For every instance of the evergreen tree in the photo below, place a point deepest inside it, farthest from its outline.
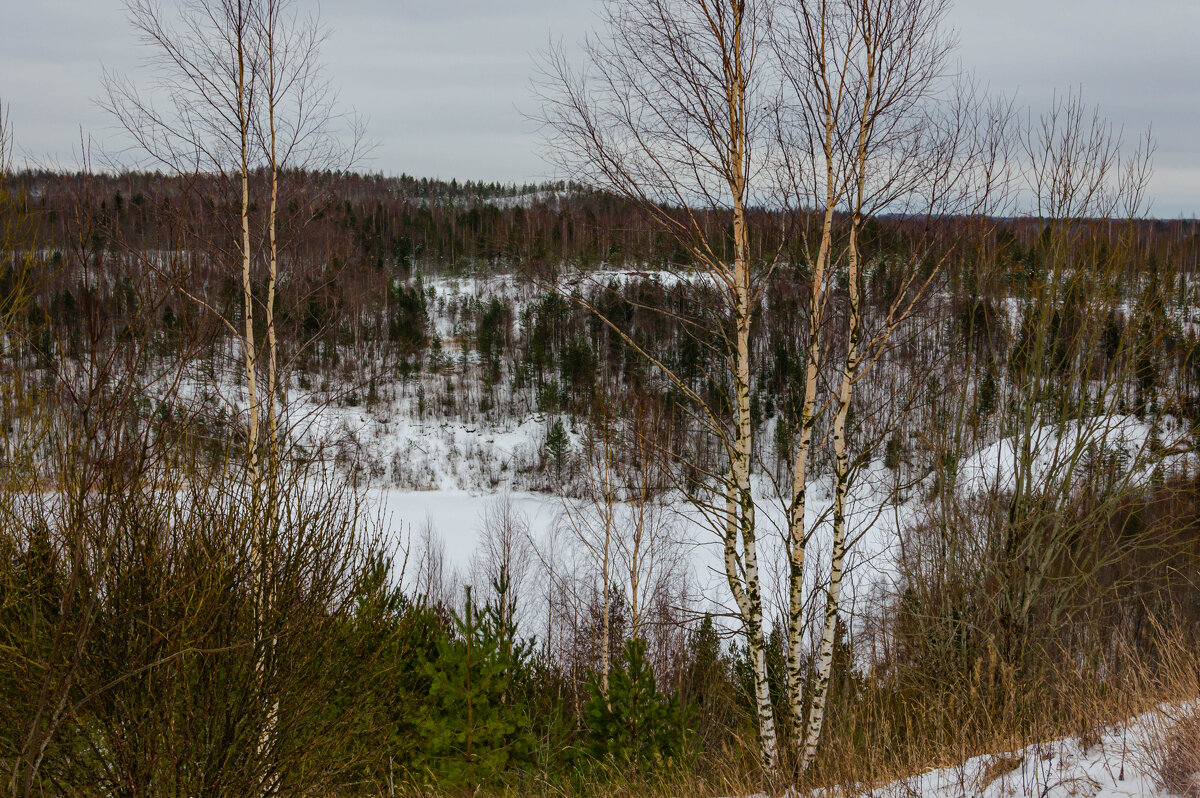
(387, 627)
(637, 724)
(557, 445)
(475, 731)
(709, 691)
(408, 325)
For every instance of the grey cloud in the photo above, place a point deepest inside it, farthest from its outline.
(444, 82)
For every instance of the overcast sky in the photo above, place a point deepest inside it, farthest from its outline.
(443, 83)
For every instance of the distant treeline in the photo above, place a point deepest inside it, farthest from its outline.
(398, 223)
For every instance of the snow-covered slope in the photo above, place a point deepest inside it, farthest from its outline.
(1119, 762)
(1059, 451)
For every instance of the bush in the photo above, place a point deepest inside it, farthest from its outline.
(187, 661)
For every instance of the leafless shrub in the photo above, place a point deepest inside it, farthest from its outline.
(433, 577)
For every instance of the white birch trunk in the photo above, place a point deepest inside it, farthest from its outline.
(797, 531)
(271, 520)
(249, 349)
(742, 504)
(841, 453)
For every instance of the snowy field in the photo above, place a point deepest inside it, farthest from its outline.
(456, 520)
(455, 454)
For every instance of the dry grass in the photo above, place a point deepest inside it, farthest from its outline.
(885, 735)
(997, 767)
(1175, 755)
(1172, 747)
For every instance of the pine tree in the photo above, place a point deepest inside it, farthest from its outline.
(637, 724)
(709, 691)
(557, 445)
(474, 731)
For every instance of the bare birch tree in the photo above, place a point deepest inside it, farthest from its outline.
(593, 523)
(434, 578)
(1030, 547)
(1083, 183)
(668, 113)
(647, 544)
(199, 117)
(239, 90)
(504, 559)
(869, 119)
(300, 130)
(619, 526)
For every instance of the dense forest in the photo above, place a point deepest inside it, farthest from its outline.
(875, 457)
(536, 337)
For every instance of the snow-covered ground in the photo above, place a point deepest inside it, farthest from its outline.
(1057, 451)
(1118, 762)
(457, 519)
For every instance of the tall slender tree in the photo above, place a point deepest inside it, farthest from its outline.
(668, 113)
(869, 118)
(239, 92)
